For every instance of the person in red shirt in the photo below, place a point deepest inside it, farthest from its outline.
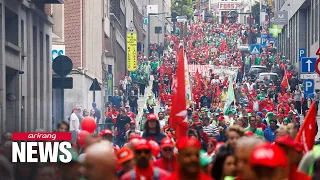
(294, 154)
(130, 113)
(259, 122)
(284, 106)
(189, 161)
(162, 98)
(112, 114)
(124, 159)
(269, 106)
(144, 169)
(168, 160)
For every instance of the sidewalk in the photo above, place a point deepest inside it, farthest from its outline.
(142, 102)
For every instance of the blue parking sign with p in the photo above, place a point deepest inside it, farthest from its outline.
(264, 40)
(308, 86)
(302, 53)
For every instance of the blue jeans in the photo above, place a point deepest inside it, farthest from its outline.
(134, 109)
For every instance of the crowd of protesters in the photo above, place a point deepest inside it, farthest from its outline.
(253, 138)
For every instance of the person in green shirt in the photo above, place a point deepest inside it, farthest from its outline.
(262, 95)
(143, 119)
(257, 60)
(288, 119)
(142, 80)
(253, 127)
(150, 103)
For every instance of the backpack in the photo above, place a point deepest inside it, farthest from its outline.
(155, 176)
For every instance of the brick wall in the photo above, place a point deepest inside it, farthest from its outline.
(47, 9)
(73, 30)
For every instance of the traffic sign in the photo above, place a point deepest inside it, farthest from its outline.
(309, 76)
(280, 17)
(302, 53)
(317, 66)
(308, 64)
(95, 85)
(263, 42)
(62, 83)
(308, 88)
(255, 49)
(62, 65)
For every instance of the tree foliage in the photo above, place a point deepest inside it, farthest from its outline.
(182, 7)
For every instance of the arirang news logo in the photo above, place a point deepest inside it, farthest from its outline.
(41, 147)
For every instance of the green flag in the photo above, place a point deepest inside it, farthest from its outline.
(230, 96)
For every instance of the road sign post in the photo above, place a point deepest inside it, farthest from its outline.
(308, 65)
(95, 87)
(62, 66)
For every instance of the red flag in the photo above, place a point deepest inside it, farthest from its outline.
(198, 79)
(223, 45)
(285, 83)
(178, 114)
(307, 132)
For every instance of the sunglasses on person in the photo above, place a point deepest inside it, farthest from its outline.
(210, 145)
(145, 151)
(167, 149)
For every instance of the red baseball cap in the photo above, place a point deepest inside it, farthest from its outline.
(152, 117)
(196, 117)
(134, 136)
(249, 133)
(105, 132)
(268, 155)
(289, 142)
(124, 154)
(142, 144)
(166, 142)
(220, 118)
(188, 142)
(286, 141)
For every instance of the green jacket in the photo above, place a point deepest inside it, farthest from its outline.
(142, 122)
(287, 120)
(257, 132)
(316, 155)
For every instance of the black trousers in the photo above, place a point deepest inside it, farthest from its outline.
(142, 88)
(298, 106)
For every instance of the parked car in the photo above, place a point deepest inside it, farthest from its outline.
(255, 70)
(271, 78)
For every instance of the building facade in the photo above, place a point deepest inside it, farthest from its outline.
(220, 9)
(25, 65)
(302, 30)
(78, 32)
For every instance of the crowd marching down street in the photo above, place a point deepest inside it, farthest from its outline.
(210, 111)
